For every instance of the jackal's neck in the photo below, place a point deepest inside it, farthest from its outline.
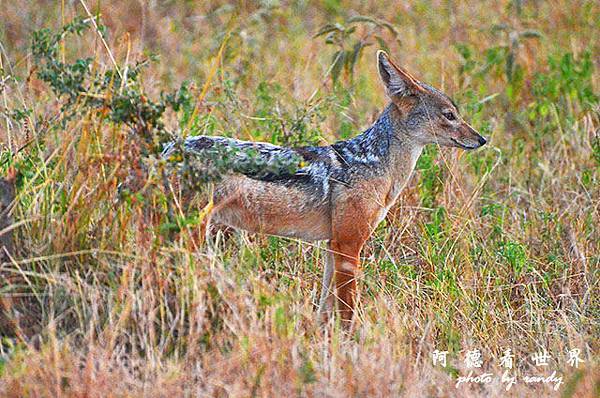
(372, 147)
(385, 145)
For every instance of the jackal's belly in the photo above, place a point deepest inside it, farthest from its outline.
(271, 208)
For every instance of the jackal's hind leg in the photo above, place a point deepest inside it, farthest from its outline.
(211, 241)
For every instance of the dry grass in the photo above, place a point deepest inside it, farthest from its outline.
(492, 250)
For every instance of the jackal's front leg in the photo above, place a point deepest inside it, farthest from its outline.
(352, 224)
(347, 267)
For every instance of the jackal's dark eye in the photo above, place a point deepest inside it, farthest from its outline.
(449, 115)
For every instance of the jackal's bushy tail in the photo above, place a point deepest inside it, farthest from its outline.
(258, 160)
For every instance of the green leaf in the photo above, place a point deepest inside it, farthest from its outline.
(354, 55)
(337, 63)
(530, 34)
(327, 29)
(349, 31)
(330, 39)
(391, 28)
(363, 18)
(501, 27)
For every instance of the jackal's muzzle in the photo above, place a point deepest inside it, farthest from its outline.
(469, 138)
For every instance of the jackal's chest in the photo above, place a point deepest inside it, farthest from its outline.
(387, 189)
(389, 199)
(398, 181)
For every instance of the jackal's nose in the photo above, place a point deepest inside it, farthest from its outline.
(482, 141)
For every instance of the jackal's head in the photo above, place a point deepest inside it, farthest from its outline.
(427, 115)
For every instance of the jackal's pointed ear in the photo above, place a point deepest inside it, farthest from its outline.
(397, 81)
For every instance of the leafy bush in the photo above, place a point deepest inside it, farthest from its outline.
(350, 44)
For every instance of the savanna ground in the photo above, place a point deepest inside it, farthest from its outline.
(108, 291)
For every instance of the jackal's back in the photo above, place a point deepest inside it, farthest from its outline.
(318, 166)
(293, 204)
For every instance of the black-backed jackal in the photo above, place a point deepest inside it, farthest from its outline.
(343, 190)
